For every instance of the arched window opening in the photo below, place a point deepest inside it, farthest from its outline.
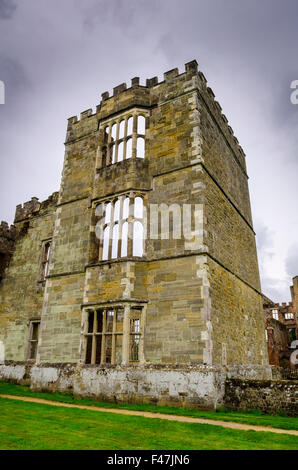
(114, 131)
(140, 147)
(106, 240)
(121, 137)
(106, 134)
(126, 208)
(137, 239)
(124, 240)
(115, 241)
(138, 207)
(112, 153)
(108, 208)
(121, 129)
(129, 148)
(124, 219)
(141, 125)
(120, 152)
(129, 125)
(116, 210)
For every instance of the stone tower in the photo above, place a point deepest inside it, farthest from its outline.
(122, 285)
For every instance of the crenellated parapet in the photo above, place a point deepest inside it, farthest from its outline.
(7, 241)
(151, 94)
(7, 237)
(34, 207)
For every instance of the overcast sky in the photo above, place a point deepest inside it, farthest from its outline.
(58, 56)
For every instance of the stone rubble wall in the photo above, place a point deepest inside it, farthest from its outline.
(199, 387)
(269, 396)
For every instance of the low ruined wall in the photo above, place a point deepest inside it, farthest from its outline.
(200, 387)
(270, 396)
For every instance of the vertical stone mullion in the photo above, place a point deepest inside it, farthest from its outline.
(120, 226)
(99, 157)
(113, 358)
(109, 154)
(83, 340)
(130, 221)
(126, 335)
(93, 353)
(142, 336)
(116, 141)
(100, 241)
(103, 337)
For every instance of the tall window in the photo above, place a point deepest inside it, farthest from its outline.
(33, 339)
(123, 228)
(45, 260)
(289, 316)
(124, 138)
(275, 314)
(104, 336)
(135, 335)
(104, 332)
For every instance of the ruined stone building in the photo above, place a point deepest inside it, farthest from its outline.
(92, 302)
(281, 323)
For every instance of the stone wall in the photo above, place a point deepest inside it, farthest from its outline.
(7, 241)
(198, 387)
(269, 396)
(21, 291)
(201, 295)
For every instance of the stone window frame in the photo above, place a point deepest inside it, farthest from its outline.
(32, 340)
(130, 336)
(130, 220)
(44, 260)
(275, 314)
(289, 316)
(108, 151)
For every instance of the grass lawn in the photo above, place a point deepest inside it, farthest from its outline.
(26, 425)
(252, 417)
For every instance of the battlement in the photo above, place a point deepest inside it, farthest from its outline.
(7, 242)
(146, 95)
(34, 207)
(7, 232)
(283, 305)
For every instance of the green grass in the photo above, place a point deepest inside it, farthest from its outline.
(251, 417)
(25, 425)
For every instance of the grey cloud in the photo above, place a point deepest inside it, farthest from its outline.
(7, 9)
(276, 290)
(13, 73)
(292, 261)
(264, 239)
(56, 58)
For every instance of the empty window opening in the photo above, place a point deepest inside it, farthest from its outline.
(140, 147)
(129, 125)
(129, 148)
(135, 335)
(123, 232)
(45, 260)
(103, 336)
(33, 339)
(104, 333)
(141, 125)
(275, 314)
(124, 139)
(137, 239)
(121, 129)
(289, 316)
